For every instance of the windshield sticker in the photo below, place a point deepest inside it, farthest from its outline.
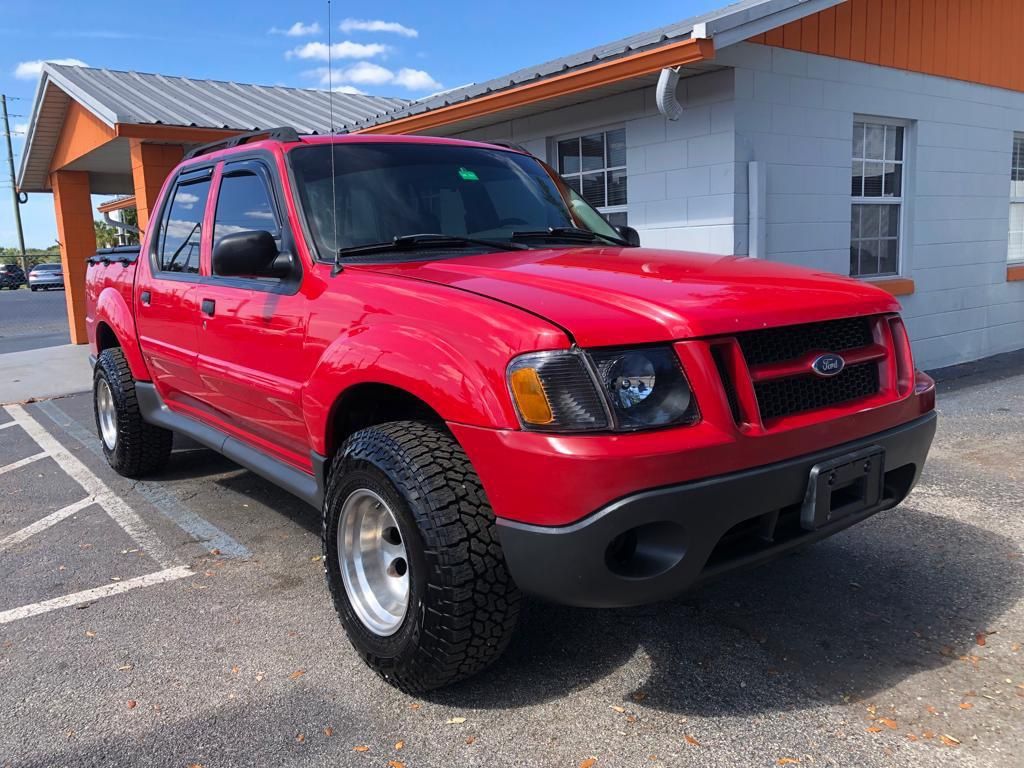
(467, 175)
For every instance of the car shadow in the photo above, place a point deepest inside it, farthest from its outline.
(899, 594)
(904, 592)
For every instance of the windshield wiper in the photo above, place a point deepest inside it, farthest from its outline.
(427, 240)
(567, 233)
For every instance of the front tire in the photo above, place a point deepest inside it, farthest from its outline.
(404, 510)
(131, 445)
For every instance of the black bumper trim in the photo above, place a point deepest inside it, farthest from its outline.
(677, 530)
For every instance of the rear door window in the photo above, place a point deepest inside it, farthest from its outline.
(180, 233)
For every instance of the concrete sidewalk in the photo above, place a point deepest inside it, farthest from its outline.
(39, 374)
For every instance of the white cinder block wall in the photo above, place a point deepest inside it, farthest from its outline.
(795, 113)
(683, 188)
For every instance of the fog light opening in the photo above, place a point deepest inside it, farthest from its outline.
(646, 551)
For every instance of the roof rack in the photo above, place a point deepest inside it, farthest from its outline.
(284, 133)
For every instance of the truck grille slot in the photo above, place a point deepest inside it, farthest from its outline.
(779, 364)
(783, 397)
(776, 345)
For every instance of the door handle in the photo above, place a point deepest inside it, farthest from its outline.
(145, 296)
(209, 307)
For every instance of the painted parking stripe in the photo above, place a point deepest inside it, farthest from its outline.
(22, 462)
(165, 502)
(7, 424)
(118, 510)
(89, 595)
(41, 525)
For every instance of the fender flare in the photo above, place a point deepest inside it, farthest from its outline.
(456, 388)
(113, 311)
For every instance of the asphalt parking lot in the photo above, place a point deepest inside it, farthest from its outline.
(32, 320)
(184, 621)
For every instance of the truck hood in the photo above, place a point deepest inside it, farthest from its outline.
(614, 296)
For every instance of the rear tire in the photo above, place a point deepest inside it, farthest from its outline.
(33, 289)
(460, 605)
(132, 446)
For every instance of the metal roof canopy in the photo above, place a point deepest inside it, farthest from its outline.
(133, 98)
(729, 25)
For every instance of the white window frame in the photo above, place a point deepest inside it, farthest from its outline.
(1016, 195)
(578, 136)
(899, 202)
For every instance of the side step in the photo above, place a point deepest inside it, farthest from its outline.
(309, 488)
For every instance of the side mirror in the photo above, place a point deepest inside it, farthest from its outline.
(247, 254)
(629, 234)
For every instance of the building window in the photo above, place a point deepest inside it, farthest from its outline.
(595, 166)
(877, 190)
(1016, 251)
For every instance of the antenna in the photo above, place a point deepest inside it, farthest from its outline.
(334, 179)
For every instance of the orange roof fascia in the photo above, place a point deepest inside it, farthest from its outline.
(81, 133)
(119, 204)
(624, 68)
(173, 134)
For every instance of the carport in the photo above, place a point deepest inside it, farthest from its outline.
(107, 132)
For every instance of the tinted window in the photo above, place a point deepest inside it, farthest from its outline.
(244, 204)
(181, 232)
(381, 190)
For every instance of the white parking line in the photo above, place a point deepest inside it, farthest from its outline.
(41, 525)
(22, 462)
(118, 510)
(88, 595)
(7, 424)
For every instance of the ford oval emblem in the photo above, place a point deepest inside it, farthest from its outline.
(828, 365)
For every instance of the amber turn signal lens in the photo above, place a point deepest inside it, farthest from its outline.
(530, 398)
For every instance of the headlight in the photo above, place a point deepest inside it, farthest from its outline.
(621, 390)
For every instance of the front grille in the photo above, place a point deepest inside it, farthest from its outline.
(776, 345)
(782, 397)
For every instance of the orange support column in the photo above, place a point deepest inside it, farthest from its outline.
(151, 164)
(77, 242)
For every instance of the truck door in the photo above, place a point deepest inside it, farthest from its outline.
(251, 343)
(166, 304)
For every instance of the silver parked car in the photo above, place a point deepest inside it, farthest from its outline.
(46, 276)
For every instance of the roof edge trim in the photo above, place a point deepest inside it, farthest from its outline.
(744, 24)
(677, 54)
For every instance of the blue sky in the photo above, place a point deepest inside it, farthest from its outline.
(406, 49)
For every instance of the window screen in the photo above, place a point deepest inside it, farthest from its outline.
(1016, 249)
(595, 166)
(181, 232)
(877, 193)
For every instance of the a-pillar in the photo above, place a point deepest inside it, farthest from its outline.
(151, 165)
(77, 242)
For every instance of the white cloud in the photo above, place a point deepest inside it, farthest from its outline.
(21, 128)
(30, 70)
(376, 25)
(366, 73)
(343, 50)
(298, 29)
(416, 80)
(369, 74)
(349, 89)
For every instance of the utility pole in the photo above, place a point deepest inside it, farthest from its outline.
(14, 187)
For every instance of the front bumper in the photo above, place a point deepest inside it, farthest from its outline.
(656, 544)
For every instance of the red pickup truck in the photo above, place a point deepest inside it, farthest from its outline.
(488, 389)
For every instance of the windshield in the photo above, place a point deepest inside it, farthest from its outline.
(387, 190)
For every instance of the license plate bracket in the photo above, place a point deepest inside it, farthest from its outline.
(843, 486)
